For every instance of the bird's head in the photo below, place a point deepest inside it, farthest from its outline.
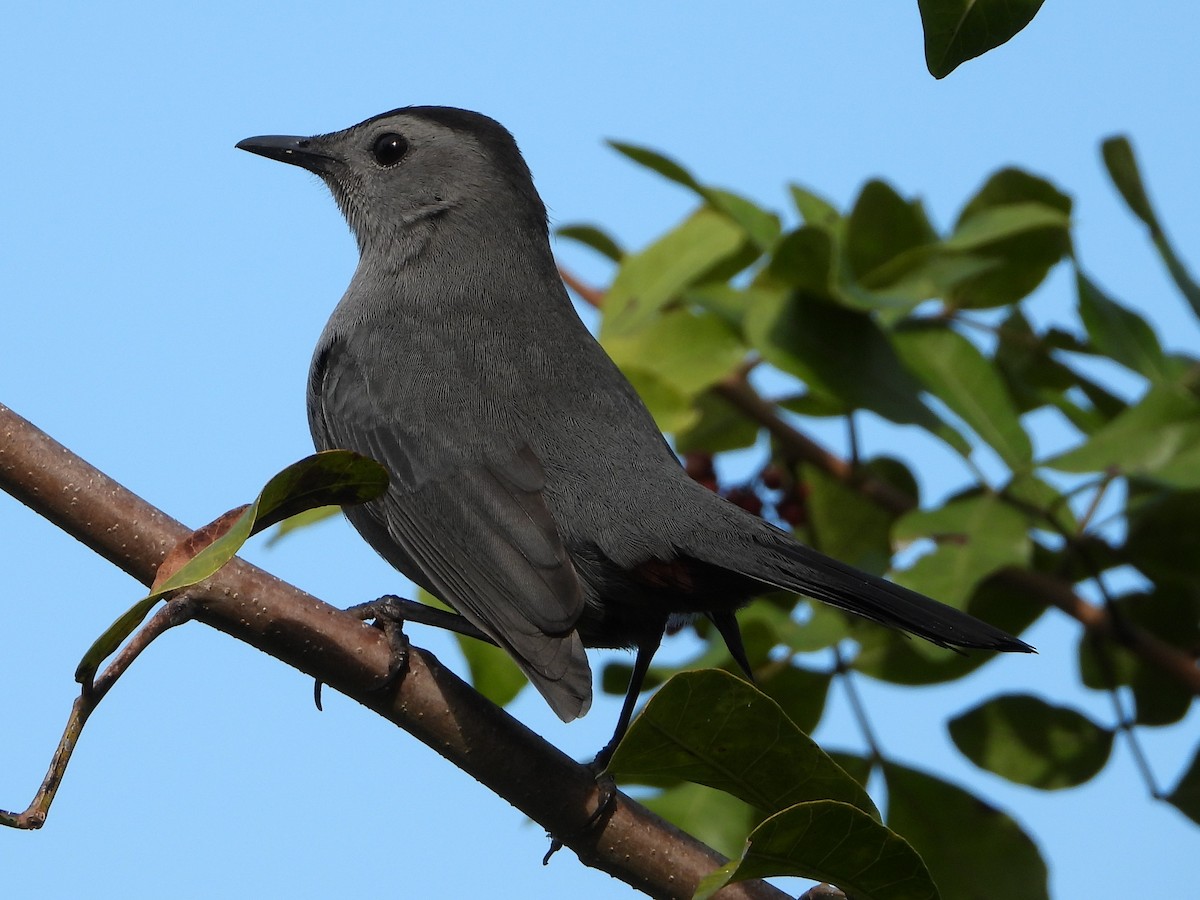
(406, 170)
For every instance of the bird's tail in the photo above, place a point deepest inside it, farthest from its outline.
(780, 561)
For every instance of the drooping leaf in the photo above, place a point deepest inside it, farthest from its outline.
(651, 278)
(830, 842)
(1032, 742)
(1123, 169)
(712, 728)
(973, 850)
(1120, 333)
(331, 477)
(958, 30)
(958, 374)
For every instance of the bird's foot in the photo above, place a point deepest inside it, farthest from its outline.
(387, 614)
(606, 789)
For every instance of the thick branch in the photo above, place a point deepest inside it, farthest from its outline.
(429, 702)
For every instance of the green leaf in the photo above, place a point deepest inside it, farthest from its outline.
(1018, 221)
(992, 224)
(1027, 489)
(1029, 741)
(958, 30)
(1120, 333)
(714, 817)
(801, 693)
(651, 278)
(1122, 166)
(973, 850)
(719, 428)
(1123, 169)
(894, 657)
(959, 375)
(594, 237)
(1186, 795)
(493, 673)
(830, 842)
(846, 524)
(976, 535)
(883, 225)
(688, 351)
(1157, 438)
(672, 409)
(712, 728)
(760, 226)
(844, 354)
(1163, 534)
(814, 209)
(657, 162)
(1171, 612)
(332, 477)
(804, 259)
(300, 521)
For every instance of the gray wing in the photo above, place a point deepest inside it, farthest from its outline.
(475, 532)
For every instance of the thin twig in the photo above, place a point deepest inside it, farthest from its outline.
(174, 613)
(858, 707)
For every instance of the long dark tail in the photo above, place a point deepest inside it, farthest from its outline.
(782, 562)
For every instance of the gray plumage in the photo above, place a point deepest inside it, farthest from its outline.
(530, 488)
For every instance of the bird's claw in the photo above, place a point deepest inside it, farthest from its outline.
(387, 616)
(606, 786)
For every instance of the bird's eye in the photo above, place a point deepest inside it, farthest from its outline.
(389, 149)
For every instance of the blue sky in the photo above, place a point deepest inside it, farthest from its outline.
(162, 293)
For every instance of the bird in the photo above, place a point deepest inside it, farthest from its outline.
(530, 488)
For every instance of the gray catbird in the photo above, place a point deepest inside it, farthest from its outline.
(530, 488)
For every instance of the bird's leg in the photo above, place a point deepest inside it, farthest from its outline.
(605, 783)
(726, 624)
(641, 665)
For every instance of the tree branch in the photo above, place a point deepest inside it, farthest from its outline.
(429, 702)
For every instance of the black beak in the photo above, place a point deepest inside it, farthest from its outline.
(298, 151)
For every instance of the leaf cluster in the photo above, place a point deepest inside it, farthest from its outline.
(874, 313)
